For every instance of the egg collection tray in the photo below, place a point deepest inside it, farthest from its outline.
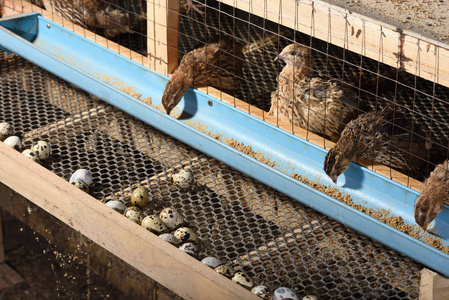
(274, 238)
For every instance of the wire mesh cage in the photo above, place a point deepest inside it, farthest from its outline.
(371, 92)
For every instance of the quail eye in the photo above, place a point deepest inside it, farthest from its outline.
(294, 53)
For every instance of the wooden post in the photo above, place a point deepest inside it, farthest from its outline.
(162, 33)
(433, 286)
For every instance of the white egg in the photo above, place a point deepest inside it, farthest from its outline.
(43, 149)
(31, 154)
(185, 234)
(190, 248)
(134, 214)
(183, 179)
(262, 291)
(14, 142)
(154, 224)
(225, 270)
(83, 175)
(211, 261)
(171, 217)
(170, 238)
(5, 130)
(81, 185)
(310, 297)
(243, 279)
(284, 293)
(116, 205)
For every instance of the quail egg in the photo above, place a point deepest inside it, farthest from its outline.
(185, 234)
(83, 175)
(171, 217)
(14, 142)
(212, 261)
(31, 154)
(170, 238)
(43, 149)
(81, 185)
(284, 293)
(243, 279)
(310, 297)
(116, 205)
(134, 214)
(183, 179)
(225, 270)
(154, 224)
(139, 197)
(5, 130)
(190, 248)
(262, 291)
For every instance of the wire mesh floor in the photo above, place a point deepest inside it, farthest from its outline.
(274, 239)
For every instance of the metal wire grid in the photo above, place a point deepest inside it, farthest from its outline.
(274, 239)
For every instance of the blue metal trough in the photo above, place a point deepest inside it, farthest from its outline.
(87, 64)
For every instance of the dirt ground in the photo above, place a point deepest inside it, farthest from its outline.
(426, 17)
(47, 272)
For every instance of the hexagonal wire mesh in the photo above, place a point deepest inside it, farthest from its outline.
(274, 239)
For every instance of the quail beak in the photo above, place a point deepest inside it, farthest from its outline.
(334, 178)
(280, 56)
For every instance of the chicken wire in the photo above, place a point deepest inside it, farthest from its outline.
(377, 85)
(273, 238)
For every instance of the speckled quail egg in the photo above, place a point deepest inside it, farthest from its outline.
(5, 130)
(212, 261)
(116, 205)
(185, 234)
(225, 270)
(139, 197)
(154, 224)
(171, 217)
(170, 238)
(81, 185)
(83, 175)
(243, 279)
(262, 291)
(183, 179)
(31, 154)
(190, 248)
(134, 214)
(310, 297)
(43, 149)
(14, 142)
(284, 293)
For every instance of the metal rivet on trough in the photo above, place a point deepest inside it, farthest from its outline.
(210, 103)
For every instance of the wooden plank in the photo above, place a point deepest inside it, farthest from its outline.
(433, 286)
(146, 252)
(360, 34)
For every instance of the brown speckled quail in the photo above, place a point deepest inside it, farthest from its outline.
(434, 194)
(94, 14)
(313, 103)
(218, 63)
(372, 135)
